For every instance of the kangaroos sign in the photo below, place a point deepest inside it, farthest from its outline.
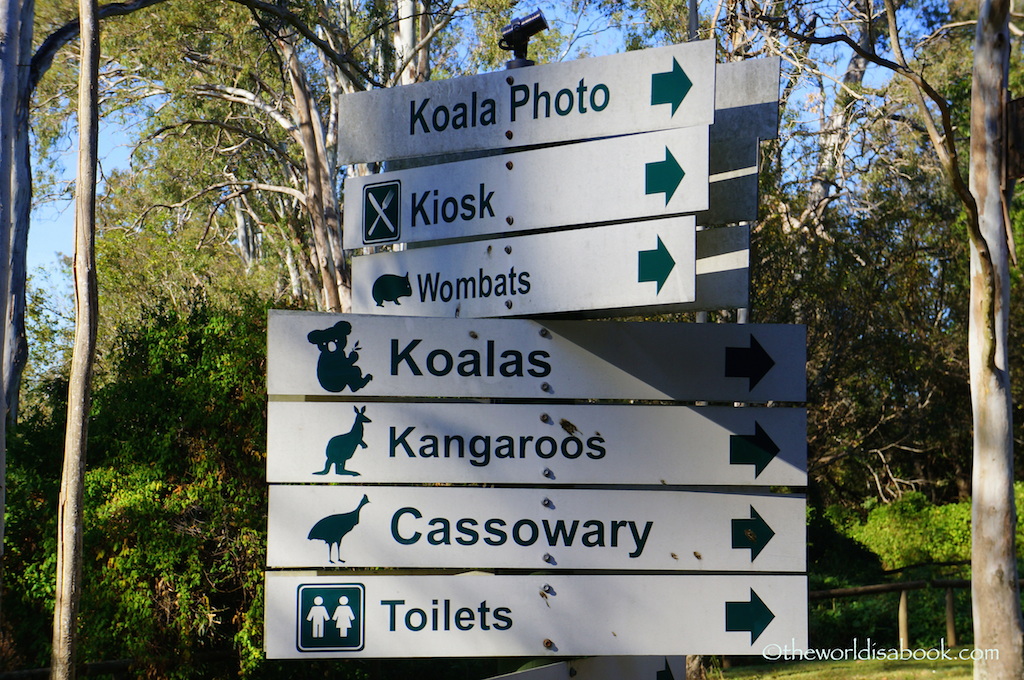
(312, 354)
(538, 444)
(620, 94)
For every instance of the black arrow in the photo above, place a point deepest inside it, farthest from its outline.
(753, 533)
(748, 362)
(752, 617)
(756, 449)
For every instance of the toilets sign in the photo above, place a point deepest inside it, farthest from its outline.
(642, 91)
(392, 616)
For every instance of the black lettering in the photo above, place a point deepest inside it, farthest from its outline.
(485, 202)
(567, 108)
(465, 527)
(400, 441)
(422, 616)
(394, 526)
(393, 604)
(416, 116)
(503, 618)
(513, 368)
(524, 283)
(405, 355)
(581, 90)
(465, 288)
(446, 362)
(575, 450)
(493, 527)
(440, 118)
(536, 102)
(531, 526)
(468, 207)
(541, 368)
(606, 97)
(518, 101)
(460, 116)
(442, 533)
(596, 450)
(488, 115)
(471, 365)
(449, 209)
(464, 618)
(420, 208)
(428, 287)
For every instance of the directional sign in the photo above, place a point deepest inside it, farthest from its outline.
(514, 528)
(610, 180)
(376, 356)
(620, 94)
(539, 444)
(619, 267)
(532, 615)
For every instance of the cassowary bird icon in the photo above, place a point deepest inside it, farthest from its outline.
(333, 528)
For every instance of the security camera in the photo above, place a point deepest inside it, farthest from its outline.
(516, 35)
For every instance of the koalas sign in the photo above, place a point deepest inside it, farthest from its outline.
(312, 354)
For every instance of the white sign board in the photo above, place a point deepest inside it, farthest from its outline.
(350, 616)
(377, 356)
(618, 267)
(539, 444)
(610, 180)
(515, 528)
(640, 91)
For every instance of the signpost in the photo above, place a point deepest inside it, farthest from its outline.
(513, 528)
(618, 267)
(642, 91)
(378, 356)
(538, 444)
(700, 555)
(531, 615)
(609, 180)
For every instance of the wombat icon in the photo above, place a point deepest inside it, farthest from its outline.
(390, 287)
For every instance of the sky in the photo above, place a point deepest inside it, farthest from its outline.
(52, 228)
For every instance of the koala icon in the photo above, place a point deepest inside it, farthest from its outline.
(336, 369)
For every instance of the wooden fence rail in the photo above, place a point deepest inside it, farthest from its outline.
(903, 589)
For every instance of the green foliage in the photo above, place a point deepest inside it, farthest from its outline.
(912, 531)
(175, 498)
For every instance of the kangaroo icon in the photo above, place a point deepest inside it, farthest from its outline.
(341, 447)
(333, 528)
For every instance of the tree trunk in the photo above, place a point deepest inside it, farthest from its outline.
(15, 20)
(70, 510)
(996, 600)
(320, 201)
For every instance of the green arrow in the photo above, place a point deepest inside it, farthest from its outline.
(655, 265)
(753, 533)
(756, 449)
(670, 87)
(752, 617)
(663, 177)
